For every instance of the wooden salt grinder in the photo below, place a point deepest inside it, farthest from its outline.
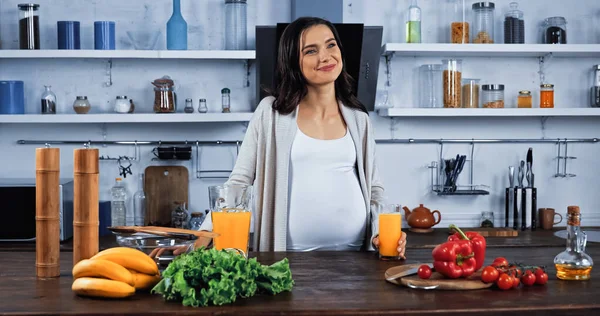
(85, 204)
(47, 216)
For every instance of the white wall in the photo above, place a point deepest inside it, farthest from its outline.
(404, 167)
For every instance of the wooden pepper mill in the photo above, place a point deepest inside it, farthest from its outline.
(47, 216)
(85, 204)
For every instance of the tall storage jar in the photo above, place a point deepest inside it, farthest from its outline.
(451, 81)
(459, 22)
(492, 96)
(483, 22)
(235, 24)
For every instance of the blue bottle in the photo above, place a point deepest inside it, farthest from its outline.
(177, 29)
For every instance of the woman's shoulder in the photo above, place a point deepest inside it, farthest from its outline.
(265, 105)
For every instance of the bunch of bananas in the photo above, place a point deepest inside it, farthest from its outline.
(115, 273)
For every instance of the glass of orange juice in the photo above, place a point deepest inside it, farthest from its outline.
(389, 220)
(231, 215)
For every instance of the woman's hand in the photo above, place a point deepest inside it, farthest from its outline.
(401, 244)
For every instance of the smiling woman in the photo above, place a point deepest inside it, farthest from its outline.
(310, 151)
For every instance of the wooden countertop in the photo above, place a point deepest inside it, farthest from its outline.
(538, 238)
(327, 283)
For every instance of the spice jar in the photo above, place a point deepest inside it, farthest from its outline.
(546, 95)
(492, 95)
(179, 216)
(451, 78)
(470, 93)
(202, 108)
(555, 30)
(189, 107)
(483, 22)
(225, 100)
(514, 25)
(459, 27)
(487, 219)
(29, 26)
(81, 105)
(524, 99)
(122, 105)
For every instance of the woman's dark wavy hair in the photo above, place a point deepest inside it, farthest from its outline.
(290, 85)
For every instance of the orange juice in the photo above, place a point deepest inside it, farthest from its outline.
(234, 229)
(390, 231)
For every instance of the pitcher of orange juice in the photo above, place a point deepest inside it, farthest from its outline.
(388, 219)
(231, 215)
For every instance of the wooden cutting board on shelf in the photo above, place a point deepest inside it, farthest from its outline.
(164, 185)
(440, 282)
(491, 232)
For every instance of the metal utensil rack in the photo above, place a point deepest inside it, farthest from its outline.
(479, 189)
(200, 174)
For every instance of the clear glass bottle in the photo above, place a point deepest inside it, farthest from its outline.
(202, 108)
(179, 216)
(459, 25)
(177, 29)
(48, 101)
(413, 23)
(514, 25)
(595, 92)
(189, 107)
(524, 99)
(574, 263)
(29, 26)
(546, 95)
(139, 203)
(492, 96)
(483, 23)
(235, 24)
(225, 100)
(451, 81)
(118, 209)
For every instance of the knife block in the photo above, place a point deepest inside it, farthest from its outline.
(520, 208)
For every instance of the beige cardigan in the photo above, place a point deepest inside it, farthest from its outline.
(263, 161)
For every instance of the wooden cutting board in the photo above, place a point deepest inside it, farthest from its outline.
(473, 282)
(163, 186)
(491, 232)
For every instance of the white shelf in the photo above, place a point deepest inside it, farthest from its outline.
(130, 54)
(128, 118)
(506, 112)
(491, 50)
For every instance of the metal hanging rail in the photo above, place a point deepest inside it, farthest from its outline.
(486, 141)
(127, 142)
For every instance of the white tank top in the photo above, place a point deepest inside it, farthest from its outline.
(326, 206)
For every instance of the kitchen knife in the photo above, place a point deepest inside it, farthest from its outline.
(406, 273)
(521, 173)
(507, 205)
(529, 165)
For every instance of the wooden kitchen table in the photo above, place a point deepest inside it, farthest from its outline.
(326, 283)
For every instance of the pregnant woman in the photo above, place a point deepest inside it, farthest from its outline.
(309, 151)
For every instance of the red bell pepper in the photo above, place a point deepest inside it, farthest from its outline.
(454, 259)
(477, 242)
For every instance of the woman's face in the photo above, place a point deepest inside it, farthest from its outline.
(320, 56)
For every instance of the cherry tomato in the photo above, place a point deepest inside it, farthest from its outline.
(424, 272)
(516, 282)
(539, 272)
(528, 279)
(499, 262)
(505, 281)
(528, 272)
(489, 274)
(541, 279)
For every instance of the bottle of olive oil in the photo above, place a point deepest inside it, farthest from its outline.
(574, 263)
(413, 23)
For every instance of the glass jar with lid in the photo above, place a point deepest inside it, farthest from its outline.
(122, 104)
(451, 82)
(487, 219)
(524, 99)
(514, 25)
(225, 100)
(459, 22)
(492, 96)
(430, 86)
(164, 95)
(202, 108)
(470, 93)
(546, 95)
(483, 22)
(189, 107)
(595, 93)
(235, 24)
(81, 105)
(555, 30)
(29, 26)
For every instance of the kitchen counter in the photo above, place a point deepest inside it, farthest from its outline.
(326, 283)
(538, 238)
